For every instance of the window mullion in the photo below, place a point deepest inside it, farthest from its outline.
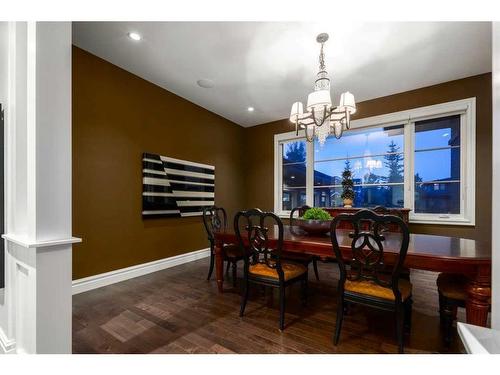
(463, 164)
(310, 173)
(409, 196)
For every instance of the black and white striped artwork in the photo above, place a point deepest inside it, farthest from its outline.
(175, 188)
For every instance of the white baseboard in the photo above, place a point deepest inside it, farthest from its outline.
(103, 279)
(7, 346)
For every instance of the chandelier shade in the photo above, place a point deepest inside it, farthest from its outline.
(347, 102)
(321, 118)
(296, 112)
(317, 100)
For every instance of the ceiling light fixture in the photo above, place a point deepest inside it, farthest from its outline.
(205, 83)
(321, 118)
(251, 109)
(134, 36)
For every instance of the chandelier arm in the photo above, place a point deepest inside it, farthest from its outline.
(347, 119)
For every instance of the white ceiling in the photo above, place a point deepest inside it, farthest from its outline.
(270, 65)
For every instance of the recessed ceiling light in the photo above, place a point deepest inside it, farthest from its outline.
(251, 109)
(134, 36)
(205, 83)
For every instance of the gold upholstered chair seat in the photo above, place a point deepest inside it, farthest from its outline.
(370, 288)
(290, 270)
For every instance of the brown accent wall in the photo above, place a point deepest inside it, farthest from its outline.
(116, 117)
(260, 153)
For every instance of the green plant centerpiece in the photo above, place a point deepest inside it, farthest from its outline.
(316, 213)
(347, 185)
(315, 221)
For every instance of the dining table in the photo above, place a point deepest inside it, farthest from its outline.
(425, 252)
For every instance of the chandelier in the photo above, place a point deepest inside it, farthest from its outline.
(322, 118)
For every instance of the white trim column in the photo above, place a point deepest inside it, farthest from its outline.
(38, 188)
(495, 249)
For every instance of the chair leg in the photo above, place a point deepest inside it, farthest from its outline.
(235, 270)
(340, 318)
(304, 287)
(315, 267)
(212, 262)
(282, 307)
(448, 315)
(244, 297)
(227, 267)
(400, 327)
(347, 308)
(441, 312)
(407, 311)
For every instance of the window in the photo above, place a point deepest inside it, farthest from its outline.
(422, 159)
(375, 157)
(294, 174)
(437, 166)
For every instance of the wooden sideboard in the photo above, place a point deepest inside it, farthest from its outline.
(403, 213)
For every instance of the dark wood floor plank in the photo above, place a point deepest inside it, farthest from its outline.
(178, 311)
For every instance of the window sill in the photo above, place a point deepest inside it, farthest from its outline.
(451, 222)
(457, 221)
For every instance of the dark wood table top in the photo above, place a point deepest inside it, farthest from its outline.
(421, 245)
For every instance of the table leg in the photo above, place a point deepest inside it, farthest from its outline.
(479, 296)
(219, 265)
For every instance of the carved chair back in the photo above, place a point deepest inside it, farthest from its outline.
(381, 210)
(300, 210)
(252, 229)
(214, 219)
(367, 248)
(387, 211)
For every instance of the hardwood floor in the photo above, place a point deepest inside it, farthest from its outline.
(178, 311)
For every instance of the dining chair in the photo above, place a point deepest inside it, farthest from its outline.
(214, 219)
(366, 282)
(452, 290)
(297, 257)
(263, 260)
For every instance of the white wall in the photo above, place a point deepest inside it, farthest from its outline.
(495, 313)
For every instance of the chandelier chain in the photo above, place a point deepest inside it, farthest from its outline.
(322, 59)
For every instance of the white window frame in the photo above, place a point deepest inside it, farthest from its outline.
(466, 108)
